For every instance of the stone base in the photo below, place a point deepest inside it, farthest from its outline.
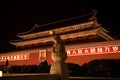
(61, 69)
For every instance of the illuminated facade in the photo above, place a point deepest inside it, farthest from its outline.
(85, 40)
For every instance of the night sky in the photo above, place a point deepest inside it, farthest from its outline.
(20, 16)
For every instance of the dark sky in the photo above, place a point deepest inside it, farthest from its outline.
(20, 16)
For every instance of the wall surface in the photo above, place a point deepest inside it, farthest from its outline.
(111, 50)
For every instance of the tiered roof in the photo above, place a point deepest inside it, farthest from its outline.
(84, 27)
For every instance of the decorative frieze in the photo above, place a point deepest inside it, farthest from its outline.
(63, 37)
(59, 30)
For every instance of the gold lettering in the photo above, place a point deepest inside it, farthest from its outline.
(86, 51)
(115, 48)
(68, 52)
(107, 49)
(74, 52)
(92, 50)
(99, 50)
(80, 51)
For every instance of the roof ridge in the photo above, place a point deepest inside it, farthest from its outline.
(36, 25)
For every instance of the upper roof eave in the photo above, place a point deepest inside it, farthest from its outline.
(61, 23)
(97, 31)
(81, 26)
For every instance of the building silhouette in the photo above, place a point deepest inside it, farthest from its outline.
(85, 39)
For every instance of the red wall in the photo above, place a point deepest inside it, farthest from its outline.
(82, 59)
(77, 59)
(86, 58)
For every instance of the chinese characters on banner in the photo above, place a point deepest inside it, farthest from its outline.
(72, 52)
(15, 57)
(94, 50)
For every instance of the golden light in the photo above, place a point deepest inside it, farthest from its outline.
(51, 32)
(0, 73)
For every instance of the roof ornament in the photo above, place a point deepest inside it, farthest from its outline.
(35, 26)
(94, 12)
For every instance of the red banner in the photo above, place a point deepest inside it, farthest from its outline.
(14, 57)
(94, 50)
